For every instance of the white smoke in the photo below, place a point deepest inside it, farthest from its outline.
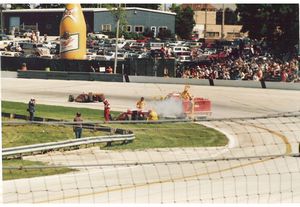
(170, 107)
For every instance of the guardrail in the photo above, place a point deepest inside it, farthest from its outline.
(45, 147)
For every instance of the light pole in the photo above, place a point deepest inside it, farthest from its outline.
(1, 9)
(117, 39)
(223, 21)
(205, 23)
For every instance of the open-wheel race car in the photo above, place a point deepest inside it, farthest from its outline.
(176, 105)
(87, 97)
(192, 107)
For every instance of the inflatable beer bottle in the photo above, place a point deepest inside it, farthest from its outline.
(72, 33)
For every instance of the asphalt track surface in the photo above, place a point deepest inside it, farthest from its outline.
(253, 168)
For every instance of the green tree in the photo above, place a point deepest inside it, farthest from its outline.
(118, 13)
(148, 32)
(164, 34)
(231, 17)
(276, 24)
(184, 21)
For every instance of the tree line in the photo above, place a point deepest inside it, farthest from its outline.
(277, 25)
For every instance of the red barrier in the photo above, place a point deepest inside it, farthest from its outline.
(201, 105)
(187, 106)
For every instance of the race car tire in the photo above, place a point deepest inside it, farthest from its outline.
(71, 98)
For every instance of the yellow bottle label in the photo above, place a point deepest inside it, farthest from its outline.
(69, 42)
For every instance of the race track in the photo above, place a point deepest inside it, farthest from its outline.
(255, 167)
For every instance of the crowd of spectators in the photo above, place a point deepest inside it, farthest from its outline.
(245, 64)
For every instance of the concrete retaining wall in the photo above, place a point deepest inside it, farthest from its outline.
(149, 79)
(238, 83)
(206, 82)
(70, 76)
(283, 85)
(9, 74)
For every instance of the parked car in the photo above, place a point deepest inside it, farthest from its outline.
(36, 49)
(111, 56)
(144, 40)
(131, 54)
(97, 35)
(121, 43)
(144, 55)
(49, 45)
(178, 49)
(4, 41)
(10, 54)
(156, 45)
(184, 58)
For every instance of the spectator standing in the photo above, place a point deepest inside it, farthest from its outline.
(109, 70)
(31, 109)
(77, 128)
(107, 115)
(37, 36)
(93, 69)
(33, 36)
(284, 76)
(45, 37)
(259, 74)
(24, 67)
(162, 52)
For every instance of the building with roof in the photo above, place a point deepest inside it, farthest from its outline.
(97, 20)
(205, 16)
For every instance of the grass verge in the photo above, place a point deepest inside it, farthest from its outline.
(147, 135)
(17, 170)
(55, 112)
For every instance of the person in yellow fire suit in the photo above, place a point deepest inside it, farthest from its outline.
(152, 115)
(185, 94)
(141, 103)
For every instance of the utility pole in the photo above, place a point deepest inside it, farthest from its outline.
(205, 22)
(117, 39)
(1, 18)
(223, 21)
(2, 7)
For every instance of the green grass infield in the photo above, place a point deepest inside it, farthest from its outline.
(154, 135)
